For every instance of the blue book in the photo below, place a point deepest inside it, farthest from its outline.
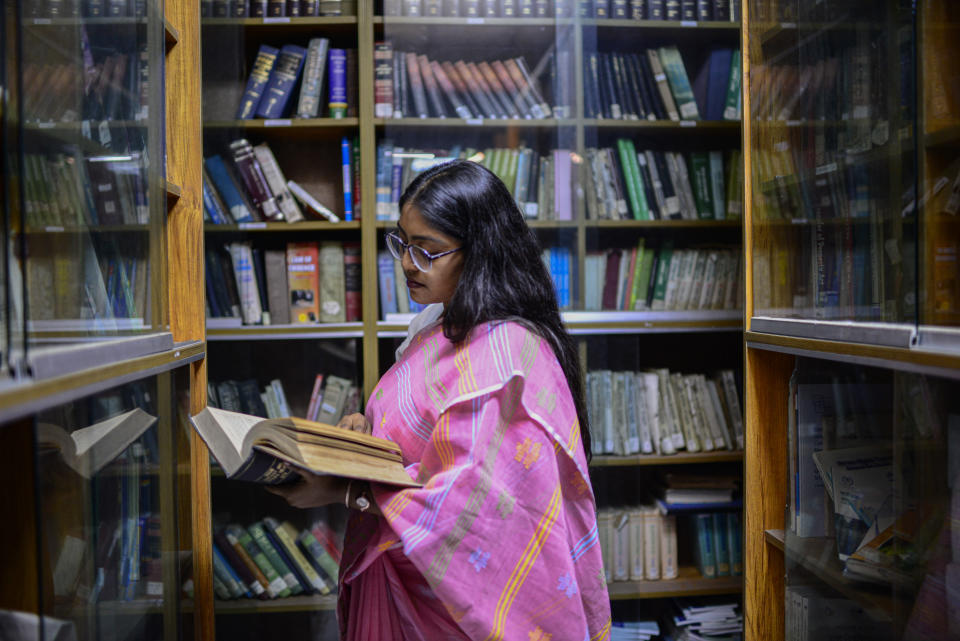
(212, 207)
(223, 572)
(337, 82)
(345, 152)
(719, 73)
(257, 82)
(283, 78)
(229, 191)
(705, 558)
(721, 549)
(387, 283)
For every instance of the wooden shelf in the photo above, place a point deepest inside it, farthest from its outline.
(171, 35)
(86, 22)
(664, 125)
(300, 124)
(662, 25)
(86, 229)
(947, 138)
(689, 582)
(488, 123)
(290, 604)
(775, 538)
(264, 227)
(690, 224)
(173, 194)
(287, 22)
(217, 331)
(680, 458)
(422, 21)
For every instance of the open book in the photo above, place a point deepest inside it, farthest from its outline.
(89, 449)
(273, 450)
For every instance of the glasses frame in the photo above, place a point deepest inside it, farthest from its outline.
(408, 248)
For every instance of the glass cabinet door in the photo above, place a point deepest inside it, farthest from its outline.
(834, 171)
(85, 173)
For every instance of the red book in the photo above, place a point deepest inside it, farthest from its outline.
(610, 279)
(327, 538)
(352, 278)
(316, 396)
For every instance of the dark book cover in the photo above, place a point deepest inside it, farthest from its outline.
(449, 90)
(628, 98)
(276, 8)
(353, 281)
(221, 9)
(117, 8)
(95, 9)
(71, 8)
(260, 273)
(491, 83)
(704, 10)
(255, 183)
(508, 8)
(630, 73)
(383, 79)
(721, 10)
(432, 8)
(672, 10)
(592, 86)
(638, 9)
(646, 182)
(585, 8)
(451, 8)
(257, 82)
(525, 8)
(462, 90)
(651, 93)
(403, 86)
(611, 279)
(337, 83)
(432, 88)
(353, 99)
(541, 8)
(240, 8)
(666, 181)
(491, 8)
(309, 8)
(655, 9)
(613, 108)
(619, 9)
(250, 401)
(417, 89)
(283, 78)
(469, 8)
(399, 84)
(688, 9)
(258, 8)
(601, 8)
(293, 8)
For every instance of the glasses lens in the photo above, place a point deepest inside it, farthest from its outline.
(421, 260)
(395, 246)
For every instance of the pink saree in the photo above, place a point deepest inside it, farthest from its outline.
(501, 541)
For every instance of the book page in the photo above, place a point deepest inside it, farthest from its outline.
(223, 432)
(102, 442)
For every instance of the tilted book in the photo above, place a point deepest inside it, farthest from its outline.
(285, 74)
(275, 451)
(89, 449)
(257, 82)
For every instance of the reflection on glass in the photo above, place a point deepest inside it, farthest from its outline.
(107, 521)
(92, 166)
(868, 522)
(833, 116)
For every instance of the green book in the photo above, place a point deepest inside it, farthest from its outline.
(731, 108)
(702, 195)
(510, 175)
(318, 555)
(631, 178)
(705, 552)
(276, 587)
(734, 186)
(663, 270)
(717, 189)
(680, 87)
(638, 293)
(260, 536)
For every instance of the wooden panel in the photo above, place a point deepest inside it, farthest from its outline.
(186, 276)
(18, 587)
(368, 181)
(766, 381)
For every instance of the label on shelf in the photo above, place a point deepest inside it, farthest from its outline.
(277, 20)
(53, 228)
(252, 225)
(688, 123)
(688, 23)
(788, 25)
(475, 21)
(45, 125)
(42, 21)
(277, 122)
(783, 145)
(474, 121)
(104, 130)
(826, 169)
(794, 123)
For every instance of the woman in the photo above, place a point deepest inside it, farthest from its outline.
(487, 406)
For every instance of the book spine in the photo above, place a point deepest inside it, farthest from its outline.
(720, 544)
(241, 256)
(258, 8)
(451, 8)
(662, 85)
(276, 268)
(259, 535)
(239, 565)
(337, 82)
(668, 547)
(679, 83)
(307, 200)
(472, 84)
(387, 285)
(705, 555)
(383, 80)
(224, 574)
(655, 10)
(308, 105)
(303, 281)
(277, 183)
(416, 86)
(251, 173)
(731, 109)
(352, 279)
(331, 285)
(704, 10)
(345, 163)
(293, 8)
(432, 89)
(450, 90)
(276, 8)
(309, 8)
(257, 82)
(672, 10)
(290, 547)
(651, 544)
(323, 561)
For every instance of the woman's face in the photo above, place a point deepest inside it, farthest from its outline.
(438, 284)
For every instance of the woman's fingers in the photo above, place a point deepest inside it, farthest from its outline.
(356, 423)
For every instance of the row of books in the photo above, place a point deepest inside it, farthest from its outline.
(251, 187)
(270, 559)
(92, 279)
(654, 85)
(665, 279)
(722, 10)
(812, 612)
(269, 8)
(392, 284)
(307, 282)
(638, 544)
(653, 184)
(662, 412)
(543, 184)
(68, 190)
(332, 397)
(106, 86)
(85, 8)
(277, 74)
(719, 549)
(407, 84)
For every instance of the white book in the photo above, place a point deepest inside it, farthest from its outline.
(635, 524)
(677, 261)
(281, 396)
(692, 299)
(605, 537)
(651, 543)
(717, 429)
(634, 438)
(652, 386)
(621, 546)
(713, 393)
(687, 268)
(609, 435)
(669, 423)
(277, 183)
(691, 419)
(267, 398)
(241, 255)
(720, 285)
(688, 205)
(709, 280)
(310, 202)
(639, 401)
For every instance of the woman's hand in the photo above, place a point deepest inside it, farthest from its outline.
(312, 490)
(356, 423)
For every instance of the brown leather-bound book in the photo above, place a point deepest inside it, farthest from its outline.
(498, 89)
(449, 90)
(611, 280)
(524, 106)
(433, 89)
(487, 107)
(416, 86)
(481, 82)
(462, 89)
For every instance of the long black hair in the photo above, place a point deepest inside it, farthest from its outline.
(503, 276)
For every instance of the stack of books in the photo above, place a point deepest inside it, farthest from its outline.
(705, 620)
(274, 8)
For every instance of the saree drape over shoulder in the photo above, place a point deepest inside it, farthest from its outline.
(501, 541)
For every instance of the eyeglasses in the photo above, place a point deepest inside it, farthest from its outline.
(421, 258)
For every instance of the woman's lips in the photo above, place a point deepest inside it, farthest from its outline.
(412, 284)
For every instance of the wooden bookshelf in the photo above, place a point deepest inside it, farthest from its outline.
(272, 228)
(309, 603)
(688, 583)
(680, 458)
